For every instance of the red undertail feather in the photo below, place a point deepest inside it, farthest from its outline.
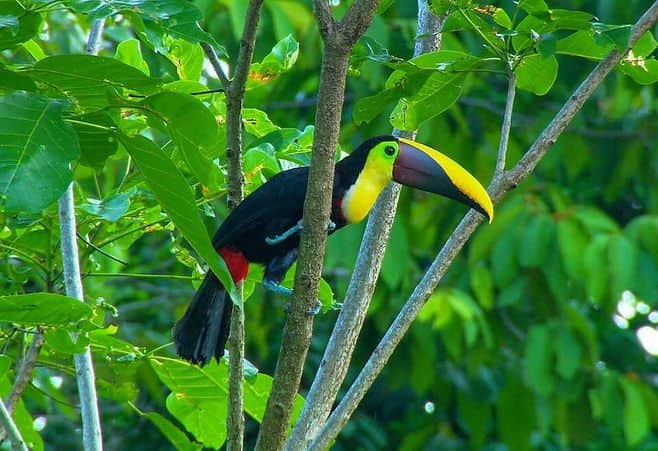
(236, 262)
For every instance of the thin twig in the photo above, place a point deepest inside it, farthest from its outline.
(507, 124)
(99, 250)
(25, 372)
(91, 425)
(338, 354)
(317, 208)
(216, 64)
(500, 185)
(17, 442)
(235, 90)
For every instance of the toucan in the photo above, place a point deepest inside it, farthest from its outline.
(265, 227)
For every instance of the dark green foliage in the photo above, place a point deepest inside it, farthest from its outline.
(530, 342)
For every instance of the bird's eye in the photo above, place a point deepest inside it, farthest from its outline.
(389, 150)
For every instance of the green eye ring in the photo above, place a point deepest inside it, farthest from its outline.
(389, 151)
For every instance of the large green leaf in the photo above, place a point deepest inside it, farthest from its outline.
(173, 434)
(37, 147)
(573, 241)
(425, 95)
(199, 397)
(622, 261)
(596, 268)
(47, 309)
(516, 415)
(174, 194)
(537, 358)
(96, 138)
(178, 18)
(193, 128)
(91, 79)
(537, 73)
(16, 24)
(636, 415)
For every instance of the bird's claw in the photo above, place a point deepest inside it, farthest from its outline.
(312, 312)
(277, 239)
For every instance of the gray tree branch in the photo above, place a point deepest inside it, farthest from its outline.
(501, 184)
(338, 354)
(507, 124)
(17, 442)
(84, 367)
(317, 206)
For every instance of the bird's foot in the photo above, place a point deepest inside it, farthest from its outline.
(312, 312)
(274, 287)
(285, 235)
(331, 226)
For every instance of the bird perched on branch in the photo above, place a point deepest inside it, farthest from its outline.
(265, 227)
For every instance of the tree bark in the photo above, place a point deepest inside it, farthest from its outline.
(339, 38)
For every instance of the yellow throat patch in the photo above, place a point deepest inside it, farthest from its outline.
(361, 196)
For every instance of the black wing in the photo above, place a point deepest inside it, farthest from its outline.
(272, 209)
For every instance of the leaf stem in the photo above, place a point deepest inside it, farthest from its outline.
(139, 275)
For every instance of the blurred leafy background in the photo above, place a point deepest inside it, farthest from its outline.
(542, 335)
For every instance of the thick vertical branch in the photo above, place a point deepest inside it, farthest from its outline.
(84, 367)
(339, 38)
(338, 354)
(501, 184)
(235, 90)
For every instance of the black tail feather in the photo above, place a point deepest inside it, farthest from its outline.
(202, 332)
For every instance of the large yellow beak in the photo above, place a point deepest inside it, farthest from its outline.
(422, 167)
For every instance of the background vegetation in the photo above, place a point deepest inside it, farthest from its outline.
(541, 336)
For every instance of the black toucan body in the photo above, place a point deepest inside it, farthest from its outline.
(265, 227)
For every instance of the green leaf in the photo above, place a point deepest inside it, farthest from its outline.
(516, 415)
(193, 129)
(622, 259)
(199, 397)
(178, 18)
(636, 415)
(174, 194)
(536, 240)
(483, 286)
(130, 53)
(46, 309)
(175, 436)
(572, 241)
(17, 24)
(257, 123)
(645, 45)
(12, 81)
(37, 148)
(596, 268)
(642, 71)
(567, 352)
(583, 44)
(396, 255)
(96, 138)
(111, 208)
(534, 7)
(90, 79)
(537, 73)
(427, 95)
(188, 58)
(537, 361)
(504, 265)
(368, 108)
(618, 35)
(501, 18)
(282, 57)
